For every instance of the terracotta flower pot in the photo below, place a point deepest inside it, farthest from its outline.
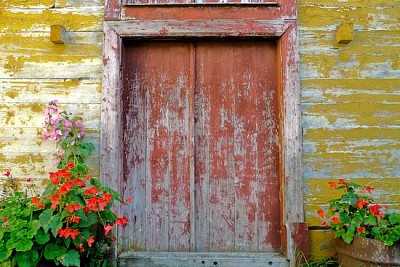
(366, 252)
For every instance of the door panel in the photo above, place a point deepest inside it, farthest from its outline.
(201, 146)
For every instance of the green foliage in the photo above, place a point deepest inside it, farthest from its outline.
(356, 214)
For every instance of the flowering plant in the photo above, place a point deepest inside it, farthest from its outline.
(356, 214)
(71, 222)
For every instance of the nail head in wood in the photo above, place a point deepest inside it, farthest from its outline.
(58, 34)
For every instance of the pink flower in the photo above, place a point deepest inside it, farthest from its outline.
(67, 123)
(7, 173)
(28, 180)
(4, 219)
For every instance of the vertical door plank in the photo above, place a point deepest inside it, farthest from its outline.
(158, 145)
(214, 72)
(167, 72)
(134, 140)
(202, 156)
(268, 148)
(180, 145)
(246, 108)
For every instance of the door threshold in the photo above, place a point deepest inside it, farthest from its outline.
(201, 259)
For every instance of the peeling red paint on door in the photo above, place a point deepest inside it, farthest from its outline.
(201, 145)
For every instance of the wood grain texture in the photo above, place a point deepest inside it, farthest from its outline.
(200, 28)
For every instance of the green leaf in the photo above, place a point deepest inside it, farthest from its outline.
(5, 254)
(42, 237)
(88, 220)
(44, 219)
(35, 226)
(53, 251)
(348, 237)
(394, 218)
(55, 224)
(72, 258)
(27, 259)
(23, 244)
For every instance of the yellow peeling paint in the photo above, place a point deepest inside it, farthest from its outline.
(12, 94)
(41, 19)
(14, 64)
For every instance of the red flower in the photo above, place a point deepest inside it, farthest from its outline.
(91, 191)
(78, 182)
(55, 200)
(359, 204)
(80, 248)
(69, 166)
(36, 202)
(92, 204)
(65, 188)
(4, 219)
(87, 176)
(107, 228)
(75, 219)
(368, 188)
(7, 173)
(28, 180)
(74, 233)
(361, 229)
(375, 209)
(68, 232)
(325, 223)
(335, 220)
(72, 207)
(332, 184)
(90, 241)
(342, 181)
(121, 221)
(320, 213)
(54, 177)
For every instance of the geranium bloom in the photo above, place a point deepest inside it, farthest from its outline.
(55, 200)
(65, 188)
(90, 241)
(121, 221)
(92, 204)
(91, 191)
(78, 182)
(107, 228)
(375, 209)
(80, 248)
(75, 219)
(320, 213)
(325, 223)
(335, 220)
(72, 207)
(361, 229)
(36, 202)
(68, 232)
(368, 188)
(332, 184)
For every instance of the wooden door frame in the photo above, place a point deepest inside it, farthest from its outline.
(277, 21)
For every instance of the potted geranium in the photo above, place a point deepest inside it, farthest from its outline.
(368, 234)
(71, 223)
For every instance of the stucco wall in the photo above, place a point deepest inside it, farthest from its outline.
(350, 101)
(34, 71)
(350, 92)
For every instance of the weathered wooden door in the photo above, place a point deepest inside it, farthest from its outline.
(200, 124)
